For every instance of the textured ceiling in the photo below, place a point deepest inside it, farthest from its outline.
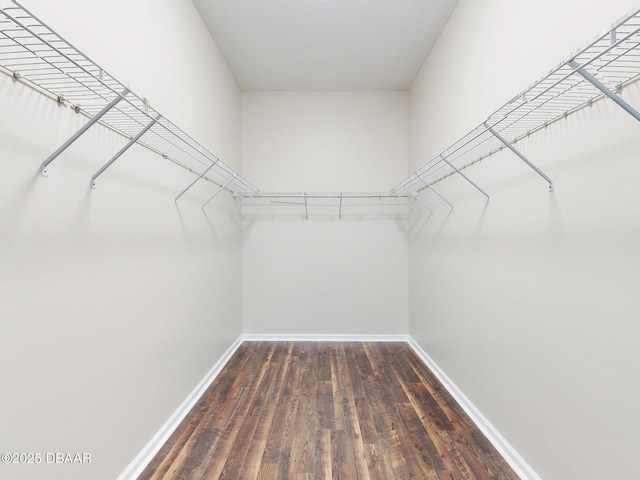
(325, 44)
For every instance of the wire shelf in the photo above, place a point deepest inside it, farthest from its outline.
(33, 53)
(333, 204)
(612, 60)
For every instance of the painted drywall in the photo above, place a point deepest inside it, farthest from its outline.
(324, 275)
(114, 302)
(529, 303)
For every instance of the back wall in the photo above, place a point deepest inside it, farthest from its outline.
(324, 275)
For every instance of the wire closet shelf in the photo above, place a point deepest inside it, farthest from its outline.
(33, 53)
(601, 69)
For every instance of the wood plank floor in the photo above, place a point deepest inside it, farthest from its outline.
(310, 410)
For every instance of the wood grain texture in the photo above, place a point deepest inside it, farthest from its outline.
(316, 410)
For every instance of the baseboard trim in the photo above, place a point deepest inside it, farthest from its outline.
(313, 337)
(512, 457)
(139, 463)
(145, 456)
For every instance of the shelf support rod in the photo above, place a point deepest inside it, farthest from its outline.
(417, 212)
(596, 83)
(84, 128)
(219, 190)
(435, 191)
(196, 180)
(340, 210)
(417, 198)
(522, 157)
(123, 149)
(466, 178)
(306, 208)
(245, 201)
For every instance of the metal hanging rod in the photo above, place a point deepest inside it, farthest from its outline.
(36, 55)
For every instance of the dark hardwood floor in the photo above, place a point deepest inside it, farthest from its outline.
(308, 410)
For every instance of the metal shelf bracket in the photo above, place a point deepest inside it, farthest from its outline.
(444, 158)
(596, 83)
(124, 149)
(219, 190)
(246, 200)
(435, 191)
(418, 199)
(84, 128)
(415, 210)
(175, 200)
(519, 154)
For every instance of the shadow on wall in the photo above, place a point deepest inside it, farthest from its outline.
(14, 205)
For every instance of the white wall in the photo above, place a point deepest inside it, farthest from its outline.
(529, 304)
(324, 275)
(113, 302)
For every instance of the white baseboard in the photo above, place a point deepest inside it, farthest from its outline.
(313, 337)
(512, 457)
(515, 461)
(145, 456)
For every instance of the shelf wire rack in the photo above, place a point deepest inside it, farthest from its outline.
(335, 203)
(36, 55)
(599, 70)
